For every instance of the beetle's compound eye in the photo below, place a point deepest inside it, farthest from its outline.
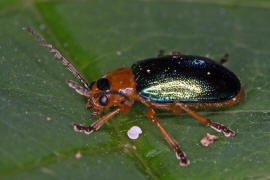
(103, 84)
(103, 100)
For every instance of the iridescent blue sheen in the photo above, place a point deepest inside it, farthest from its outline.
(184, 78)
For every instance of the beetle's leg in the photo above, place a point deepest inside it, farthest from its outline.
(176, 109)
(174, 53)
(224, 59)
(174, 145)
(96, 125)
(207, 122)
(161, 53)
(79, 89)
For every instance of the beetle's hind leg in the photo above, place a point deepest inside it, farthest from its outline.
(174, 53)
(207, 122)
(162, 53)
(174, 145)
(225, 59)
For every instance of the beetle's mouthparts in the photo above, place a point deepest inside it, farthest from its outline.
(88, 105)
(95, 113)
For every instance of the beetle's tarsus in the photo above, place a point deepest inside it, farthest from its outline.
(86, 129)
(180, 155)
(223, 129)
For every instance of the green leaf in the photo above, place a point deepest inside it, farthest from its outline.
(101, 36)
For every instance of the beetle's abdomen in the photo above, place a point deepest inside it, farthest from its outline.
(185, 79)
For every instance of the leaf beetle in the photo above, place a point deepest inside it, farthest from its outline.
(172, 82)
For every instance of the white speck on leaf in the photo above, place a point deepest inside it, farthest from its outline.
(78, 155)
(119, 53)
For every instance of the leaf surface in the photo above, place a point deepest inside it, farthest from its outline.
(101, 36)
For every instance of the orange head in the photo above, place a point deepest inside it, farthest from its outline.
(116, 88)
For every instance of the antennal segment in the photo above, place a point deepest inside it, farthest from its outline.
(58, 56)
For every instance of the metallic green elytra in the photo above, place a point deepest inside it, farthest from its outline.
(184, 78)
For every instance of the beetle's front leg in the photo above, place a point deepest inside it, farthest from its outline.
(174, 145)
(96, 125)
(207, 122)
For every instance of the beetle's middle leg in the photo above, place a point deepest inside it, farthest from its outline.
(96, 125)
(207, 122)
(225, 59)
(174, 145)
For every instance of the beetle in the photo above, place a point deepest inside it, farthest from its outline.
(173, 82)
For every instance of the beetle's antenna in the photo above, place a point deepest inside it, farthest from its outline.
(58, 56)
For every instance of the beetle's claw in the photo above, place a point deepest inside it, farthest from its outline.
(185, 163)
(229, 133)
(180, 155)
